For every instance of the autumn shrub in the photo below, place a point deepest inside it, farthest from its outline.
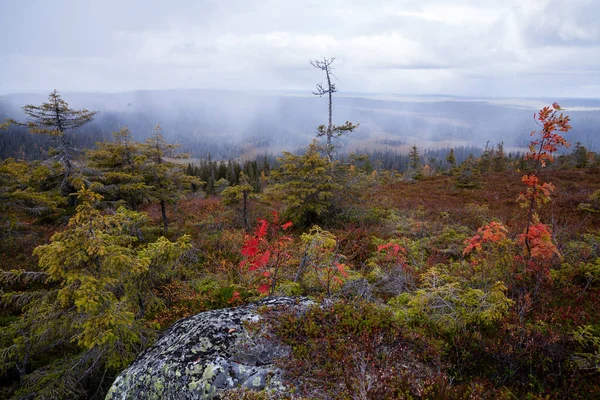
(249, 394)
(349, 348)
(390, 274)
(490, 254)
(355, 244)
(219, 253)
(358, 350)
(266, 253)
(322, 268)
(183, 299)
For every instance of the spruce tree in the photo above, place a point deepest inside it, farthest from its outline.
(451, 159)
(414, 160)
(119, 177)
(305, 184)
(330, 131)
(167, 179)
(499, 159)
(85, 314)
(240, 194)
(56, 118)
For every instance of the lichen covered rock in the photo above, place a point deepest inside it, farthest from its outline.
(203, 354)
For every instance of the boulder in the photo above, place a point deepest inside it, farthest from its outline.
(206, 353)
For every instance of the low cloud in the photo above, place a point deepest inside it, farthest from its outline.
(464, 47)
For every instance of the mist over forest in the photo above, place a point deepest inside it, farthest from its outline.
(240, 124)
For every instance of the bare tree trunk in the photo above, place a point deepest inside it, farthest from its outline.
(301, 267)
(330, 126)
(245, 211)
(163, 211)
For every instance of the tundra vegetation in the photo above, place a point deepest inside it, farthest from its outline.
(473, 278)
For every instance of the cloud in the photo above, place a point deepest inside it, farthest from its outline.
(463, 47)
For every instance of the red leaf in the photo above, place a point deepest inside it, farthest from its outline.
(264, 289)
(264, 258)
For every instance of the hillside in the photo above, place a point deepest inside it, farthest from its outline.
(449, 279)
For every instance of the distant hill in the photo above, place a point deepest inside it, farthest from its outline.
(237, 124)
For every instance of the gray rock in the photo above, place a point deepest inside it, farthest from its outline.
(206, 353)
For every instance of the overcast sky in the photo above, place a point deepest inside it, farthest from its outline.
(473, 48)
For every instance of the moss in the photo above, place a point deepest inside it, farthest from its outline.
(289, 288)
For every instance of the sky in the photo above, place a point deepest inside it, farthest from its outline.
(481, 48)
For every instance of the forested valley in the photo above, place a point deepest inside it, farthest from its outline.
(453, 273)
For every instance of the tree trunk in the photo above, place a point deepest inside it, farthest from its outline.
(330, 126)
(245, 211)
(163, 211)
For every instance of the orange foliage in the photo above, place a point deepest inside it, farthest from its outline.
(181, 301)
(548, 142)
(393, 252)
(539, 237)
(490, 233)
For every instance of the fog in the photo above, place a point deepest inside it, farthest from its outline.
(235, 124)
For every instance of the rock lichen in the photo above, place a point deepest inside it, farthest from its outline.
(206, 353)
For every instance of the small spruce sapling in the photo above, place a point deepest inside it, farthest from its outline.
(323, 259)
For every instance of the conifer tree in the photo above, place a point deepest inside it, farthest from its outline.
(580, 156)
(499, 159)
(56, 118)
(240, 193)
(330, 131)
(414, 160)
(469, 176)
(166, 178)
(120, 167)
(21, 191)
(451, 159)
(305, 184)
(86, 313)
(485, 160)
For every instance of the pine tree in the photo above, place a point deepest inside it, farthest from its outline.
(469, 176)
(22, 194)
(414, 160)
(485, 160)
(580, 156)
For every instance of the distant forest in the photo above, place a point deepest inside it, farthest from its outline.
(226, 125)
